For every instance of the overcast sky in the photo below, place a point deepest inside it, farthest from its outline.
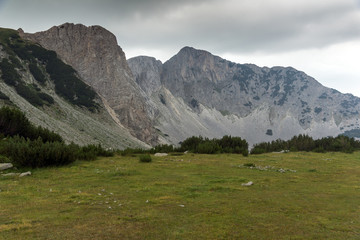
(319, 37)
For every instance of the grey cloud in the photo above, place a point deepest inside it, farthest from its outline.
(240, 30)
(217, 25)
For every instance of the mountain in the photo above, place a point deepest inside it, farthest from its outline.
(197, 93)
(94, 53)
(89, 92)
(53, 95)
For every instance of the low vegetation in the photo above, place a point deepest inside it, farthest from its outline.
(226, 144)
(28, 146)
(306, 143)
(299, 195)
(145, 158)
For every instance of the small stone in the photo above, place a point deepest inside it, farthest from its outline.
(25, 174)
(181, 205)
(147, 201)
(247, 184)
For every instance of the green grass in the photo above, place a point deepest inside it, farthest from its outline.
(187, 197)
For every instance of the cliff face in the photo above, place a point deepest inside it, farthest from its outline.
(93, 52)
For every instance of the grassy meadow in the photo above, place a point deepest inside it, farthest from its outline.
(294, 196)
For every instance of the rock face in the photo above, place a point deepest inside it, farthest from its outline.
(94, 53)
(202, 94)
(87, 121)
(146, 71)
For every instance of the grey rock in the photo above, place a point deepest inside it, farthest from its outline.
(10, 174)
(247, 184)
(4, 166)
(161, 154)
(25, 174)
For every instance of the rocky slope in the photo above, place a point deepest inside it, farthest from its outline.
(94, 53)
(29, 82)
(202, 94)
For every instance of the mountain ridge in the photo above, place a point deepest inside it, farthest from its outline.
(264, 96)
(198, 93)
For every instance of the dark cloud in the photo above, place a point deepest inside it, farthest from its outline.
(236, 27)
(219, 25)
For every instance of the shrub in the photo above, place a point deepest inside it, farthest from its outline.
(14, 122)
(90, 152)
(29, 94)
(26, 153)
(46, 97)
(145, 158)
(9, 74)
(37, 73)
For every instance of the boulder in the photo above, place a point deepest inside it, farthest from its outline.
(10, 174)
(247, 184)
(25, 174)
(161, 154)
(4, 166)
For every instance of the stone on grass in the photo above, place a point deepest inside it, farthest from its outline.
(25, 174)
(161, 154)
(10, 174)
(4, 166)
(247, 184)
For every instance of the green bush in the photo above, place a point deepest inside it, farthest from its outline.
(9, 74)
(26, 153)
(29, 94)
(145, 158)
(226, 144)
(306, 143)
(37, 73)
(4, 159)
(90, 152)
(14, 122)
(45, 97)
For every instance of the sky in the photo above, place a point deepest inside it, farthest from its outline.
(319, 37)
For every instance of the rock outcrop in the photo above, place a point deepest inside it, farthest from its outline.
(94, 53)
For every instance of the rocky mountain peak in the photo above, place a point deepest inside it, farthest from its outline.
(94, 53)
